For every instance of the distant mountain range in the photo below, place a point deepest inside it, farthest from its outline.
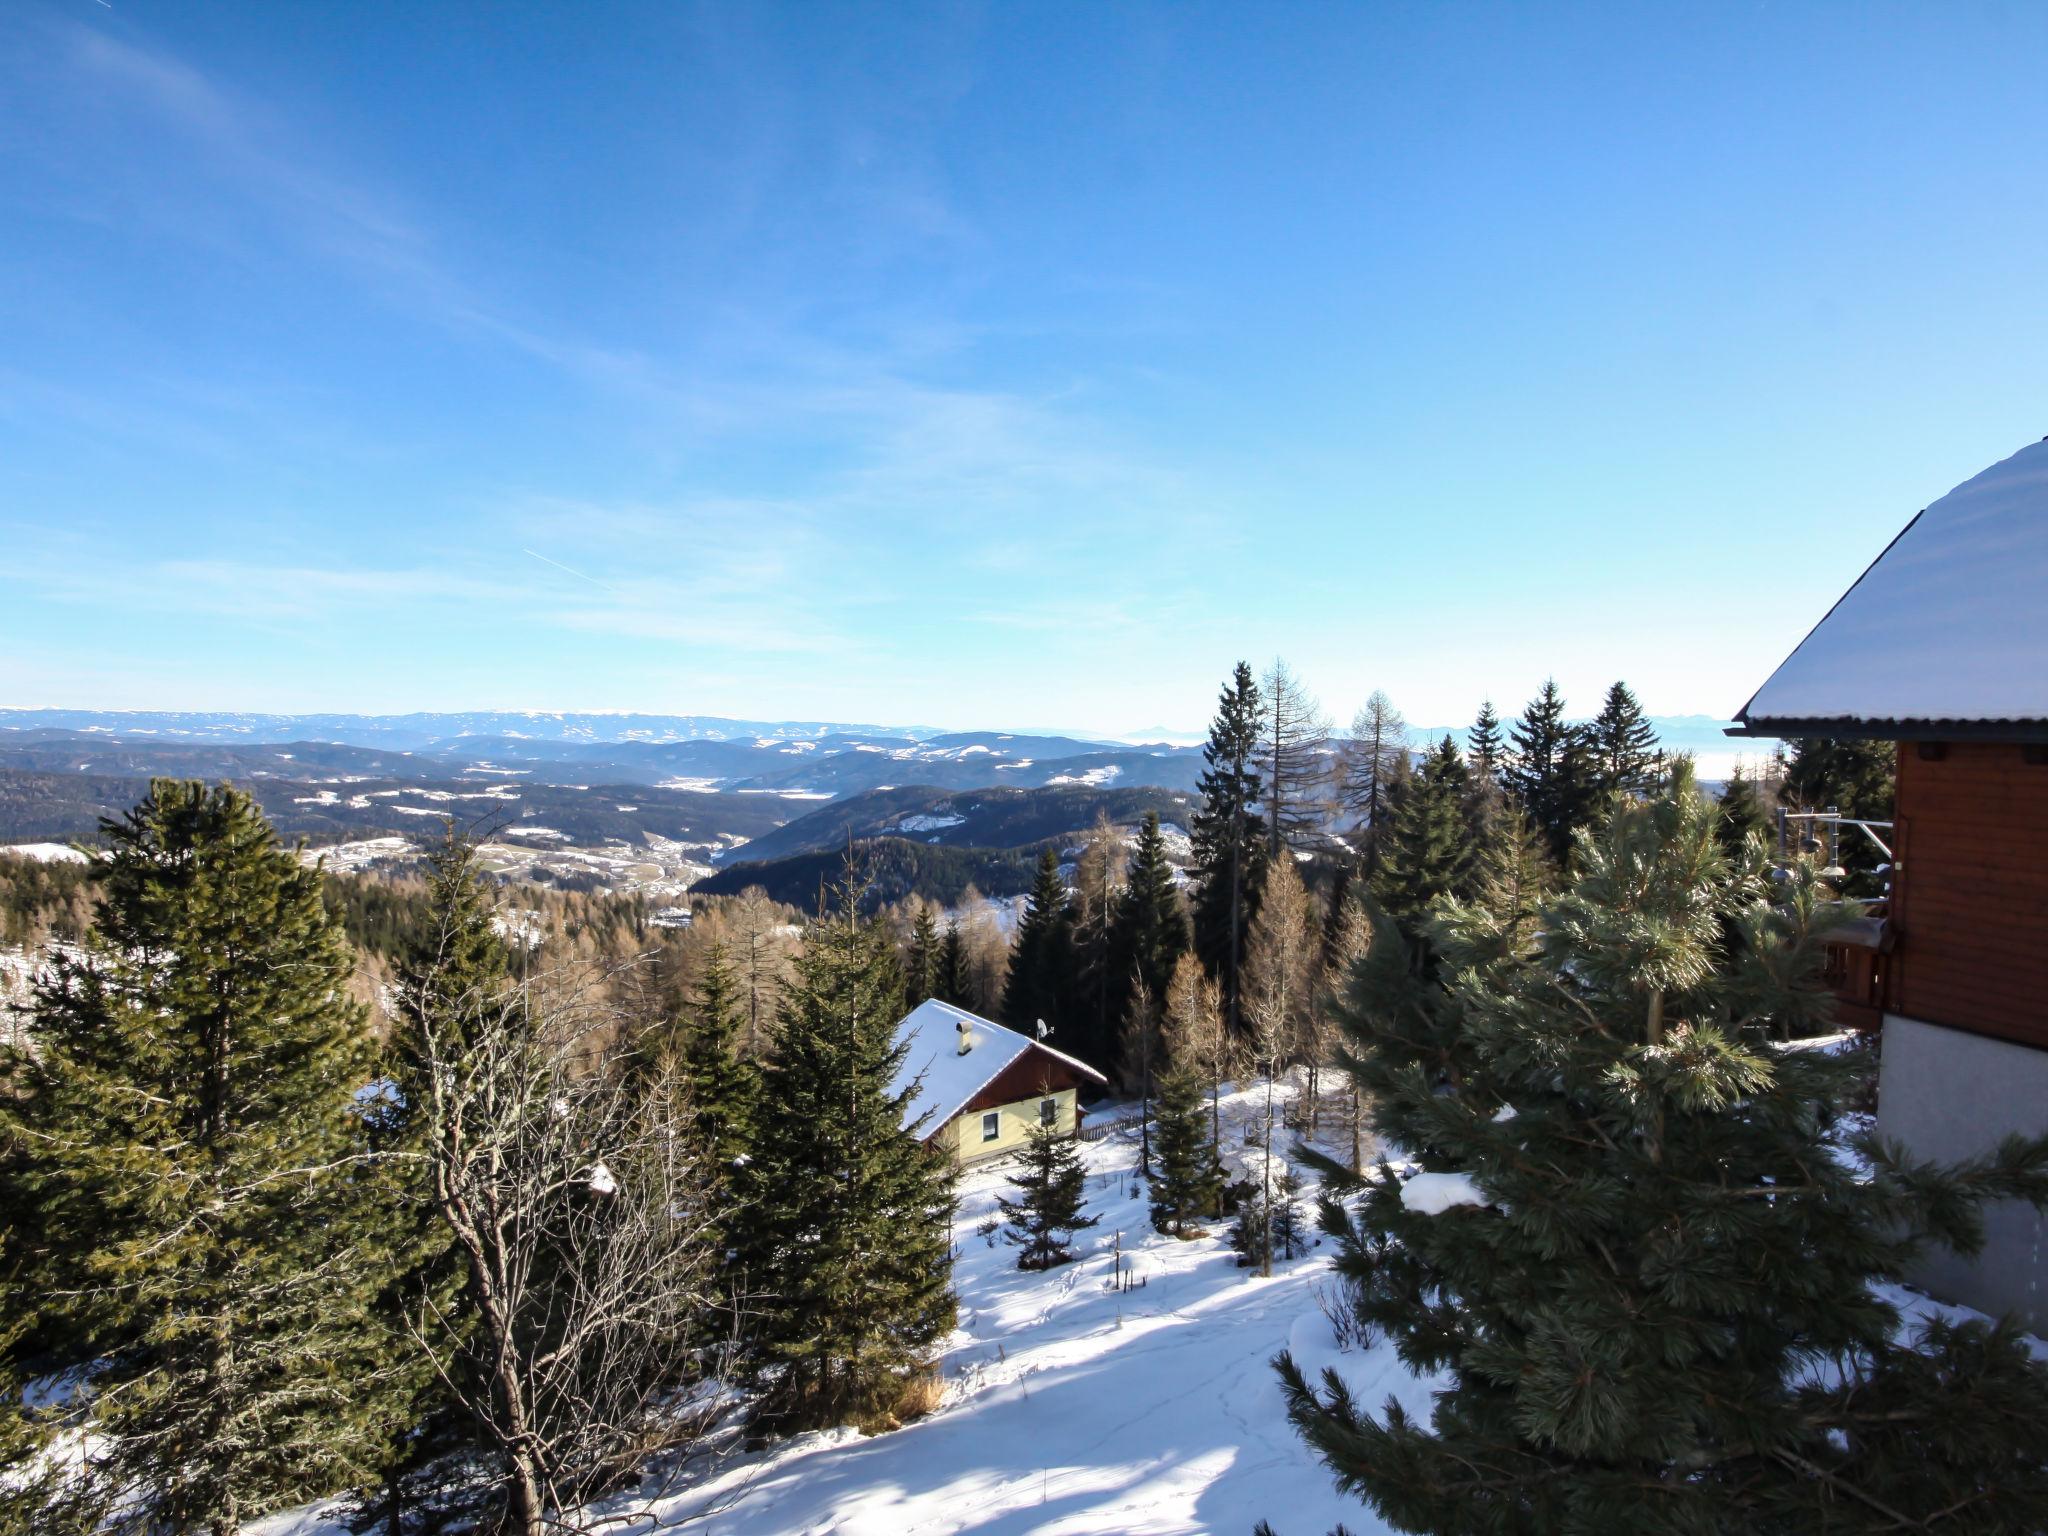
(684, 795)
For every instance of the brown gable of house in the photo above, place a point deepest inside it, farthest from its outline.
(1031, 1075)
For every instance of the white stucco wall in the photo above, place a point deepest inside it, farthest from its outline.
(1947, 1095)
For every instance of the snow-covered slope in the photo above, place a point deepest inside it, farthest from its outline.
(1075, 1409)
(1071, 1407)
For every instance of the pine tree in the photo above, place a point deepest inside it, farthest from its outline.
(1742, 816)
(1551, 774)
(1150, 931)
(1269, 1225)
(1374, 760)
(1635, 1250)
(855, 1213)
(1626, 758)
(1229, 836)
(724, 1085)
(1513, 872)
(956, 973)
(1052, 1188)
(1099, 882)
(193, 1128)
(1040, 986)
(1187, 1188)
(923, 964)
(1429, 852)
(1485, 748)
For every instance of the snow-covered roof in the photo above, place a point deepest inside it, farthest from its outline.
(946, 1077)
(1949, 626)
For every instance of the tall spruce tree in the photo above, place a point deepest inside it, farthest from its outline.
(1742, 814)
(1040, 985)
(724, 1085)
(1626, 758)
(1551, 772)
(1229, 837)
(1429, 852)
(956, 972)
(1052, 1188)
(854, 1213)
(1637, 1251)
(1485, 747)
(1150, 931)
(1188, 1177)
(923, 961)
(193, 1133)
(1374, 761)
(1099, 881)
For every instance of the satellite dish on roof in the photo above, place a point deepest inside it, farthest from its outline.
(1044, 1029)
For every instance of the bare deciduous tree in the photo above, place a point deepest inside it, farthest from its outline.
(761, 946)
(564, 1170)
(1280, 981)
(1294, 738)
(1195, 1032)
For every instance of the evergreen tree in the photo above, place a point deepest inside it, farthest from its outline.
(1429, 852)
(1187, 1188)
(1052, 1187)
(1269, 1226)
(1229, 837)
(1742, 815)
(724, 1086)
(1099, 881)
(1485, 748)
(192, 1129)
(456, 967)
(1150, 932)
(855, 1213)
(1858, 778)
(1513, 872)
(956, 970)
(1552, 771)
(1635, 1249)
(1375, 759)
(1040, 986)
(1626, 758)
(923, 967)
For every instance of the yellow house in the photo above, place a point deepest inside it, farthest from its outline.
(981, 1087)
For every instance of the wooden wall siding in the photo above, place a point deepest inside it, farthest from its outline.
(1970, 899)
(1031, 1076)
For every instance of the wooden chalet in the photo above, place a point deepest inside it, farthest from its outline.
(981, 1087)
(1942, 647)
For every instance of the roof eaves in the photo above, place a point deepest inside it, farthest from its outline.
(1867, 728)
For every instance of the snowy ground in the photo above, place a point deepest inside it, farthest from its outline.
(1075, 1409)
(1071, 1407)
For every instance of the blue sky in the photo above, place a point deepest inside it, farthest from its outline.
(989, 366)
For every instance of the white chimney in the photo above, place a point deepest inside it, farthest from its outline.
(966, 1035)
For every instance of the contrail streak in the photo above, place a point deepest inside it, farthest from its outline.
(544, 560)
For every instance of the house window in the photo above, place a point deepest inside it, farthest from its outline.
(1048, 1111)
(991, 1125)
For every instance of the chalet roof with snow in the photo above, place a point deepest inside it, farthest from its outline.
(948, 1077)
(1944, 636)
